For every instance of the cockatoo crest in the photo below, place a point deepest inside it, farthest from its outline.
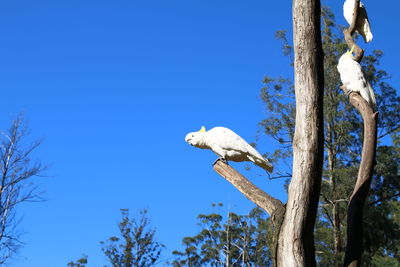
(203, 129)
(353, 78)
(350, 52)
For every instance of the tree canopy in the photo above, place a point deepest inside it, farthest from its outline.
(343, 139)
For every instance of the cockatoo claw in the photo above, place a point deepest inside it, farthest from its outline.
(221, 159)
(348, 92)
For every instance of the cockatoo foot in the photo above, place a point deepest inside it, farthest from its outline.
(348, 92)
(221, 159)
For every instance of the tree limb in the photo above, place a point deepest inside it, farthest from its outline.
(349, 32)
(389, 131)
(274, 207)
(384, 198)
(359, 196)
(247, 188)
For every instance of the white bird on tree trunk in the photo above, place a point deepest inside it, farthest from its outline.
(353, 78)
(228, 145)
(362, 24)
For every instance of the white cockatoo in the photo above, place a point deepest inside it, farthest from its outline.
(228, 145)
(362, 24)
(353, 78)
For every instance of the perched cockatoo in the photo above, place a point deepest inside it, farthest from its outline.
(353, 78)
(228, 145)
(362, 24)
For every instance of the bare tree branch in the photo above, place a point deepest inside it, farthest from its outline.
(349, 32)
(15, 185)
(389, 132)
(394, 197)
(247, 188)
(296, 238)
(274, 207)
(328, 216)
(359, 196)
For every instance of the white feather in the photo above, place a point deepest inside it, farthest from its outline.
(228, 145)
(353, 78)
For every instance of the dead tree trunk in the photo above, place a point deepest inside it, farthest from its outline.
(274, 207)
(296, 240)
(355, 236)
(354, 246)
(294, 226)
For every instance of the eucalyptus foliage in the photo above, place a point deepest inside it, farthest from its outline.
(343, 129)
(236, 240)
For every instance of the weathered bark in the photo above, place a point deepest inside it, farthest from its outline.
(296, 240)
(247, 188)
(354, 245)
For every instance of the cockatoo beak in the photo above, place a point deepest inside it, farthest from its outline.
(188, 138)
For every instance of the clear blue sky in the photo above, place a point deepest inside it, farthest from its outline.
(114, 86)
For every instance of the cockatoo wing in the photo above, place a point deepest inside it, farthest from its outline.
(350, 75)
(362, 25)
(228, 144)
(228, 140)
(353, 78)
(348, 8)
(371, 95)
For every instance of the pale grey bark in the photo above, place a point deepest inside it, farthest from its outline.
(354, 246)
(274, 207)
(349, 32)
(296, 240)
(247, 188)
(295, 244)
